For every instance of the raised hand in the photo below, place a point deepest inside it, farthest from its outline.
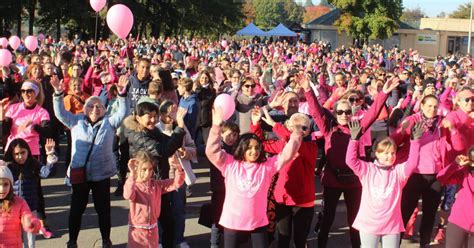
(122, 83)
(57, 84)
(267, 118)
(49, 146)
(356, 129)
(417, 131)
(278, 99)
(132, 166)
(217, 116)
(447, 124)
(256, 115)
(390, 85)
(180, 114)
(303, 81)
(463, 160)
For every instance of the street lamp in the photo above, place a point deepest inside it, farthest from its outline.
(470, 30)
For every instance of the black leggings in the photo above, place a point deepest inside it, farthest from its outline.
(232, 238)
(166, 222)
(430, 190)
(79, 200)
(296, 220)
(331, 198)
(457, 237)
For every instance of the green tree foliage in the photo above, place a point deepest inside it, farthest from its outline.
(269, 13)
(151, 17)
(374, 19)
(462, 12)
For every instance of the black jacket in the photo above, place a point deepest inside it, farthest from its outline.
(206, 98)
(159, 145)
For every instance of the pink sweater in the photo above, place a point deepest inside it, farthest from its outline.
(145, 198)
(246, 184)
(11, 224)
(461, 213)
(380, 211)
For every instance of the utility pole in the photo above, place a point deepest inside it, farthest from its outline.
(470, 31)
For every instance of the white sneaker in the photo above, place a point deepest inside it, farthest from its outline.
(184, 245)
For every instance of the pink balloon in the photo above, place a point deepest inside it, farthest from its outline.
(31, 43)
(3, 42)
(224, 43)
(5, 57)
(97, 5)
(14, 42)
(227, 103)
(41, 37)
(120, 20)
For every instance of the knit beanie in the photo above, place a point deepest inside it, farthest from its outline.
(5, 172)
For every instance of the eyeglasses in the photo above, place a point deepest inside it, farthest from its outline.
(353, 99)
(27, 91)
(250, 86)
(467, 99)
(347, 112)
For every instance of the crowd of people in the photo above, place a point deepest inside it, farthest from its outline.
(381, 126)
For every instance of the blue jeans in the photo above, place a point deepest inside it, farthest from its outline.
(178, 203)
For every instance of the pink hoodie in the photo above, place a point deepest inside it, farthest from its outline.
(246, 183)
(145, 207)
(380, 205)
(461, 213)
(11, 224)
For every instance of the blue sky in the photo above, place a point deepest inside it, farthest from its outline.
(430, 7)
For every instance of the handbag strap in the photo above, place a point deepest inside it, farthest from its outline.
(90, 149)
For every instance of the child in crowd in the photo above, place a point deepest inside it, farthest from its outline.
(460, 230)
(27, 173)
(144, 194)
(15, 215)
(155, 90)
(229, 135)
(248, 174)
(379, 216)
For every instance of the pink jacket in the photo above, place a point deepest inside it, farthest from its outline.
(380, 205)
(11, 224)
(434, 146)
(461, 213)
(145, 198)
(93, 84)
(246, 184)
(465, 125)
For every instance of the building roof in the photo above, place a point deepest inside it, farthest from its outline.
(445, 24)
(331, 17)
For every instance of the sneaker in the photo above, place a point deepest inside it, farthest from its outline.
(440, 236)
(47, 234)
(70, 244)
(188, 192)
(184, 245)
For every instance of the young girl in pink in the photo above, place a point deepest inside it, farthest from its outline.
(15, 214)
(247, 174)
(144, 195)
(460, 230)
(379, 215)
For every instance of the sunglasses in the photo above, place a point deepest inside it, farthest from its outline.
(347, 112)
(304, 128)
(467, 99)
(353, 99)
(27, 91)
(250, 86)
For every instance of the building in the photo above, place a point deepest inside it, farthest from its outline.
(435, 36)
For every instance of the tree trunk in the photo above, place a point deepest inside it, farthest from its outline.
(31, 22)
(58, 28)
(18, 20)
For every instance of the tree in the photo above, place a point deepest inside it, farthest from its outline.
(308, 3)
(248, 11)
(269, 13)
(442, 14)
(412, 17)
(375, 19)
(314, 12)
(462, 12)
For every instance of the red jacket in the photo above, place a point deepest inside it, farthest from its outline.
(337, 137)
(295, 184)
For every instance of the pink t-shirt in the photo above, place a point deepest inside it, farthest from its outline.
(380, 205)
(20, 115)
(247, 184)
